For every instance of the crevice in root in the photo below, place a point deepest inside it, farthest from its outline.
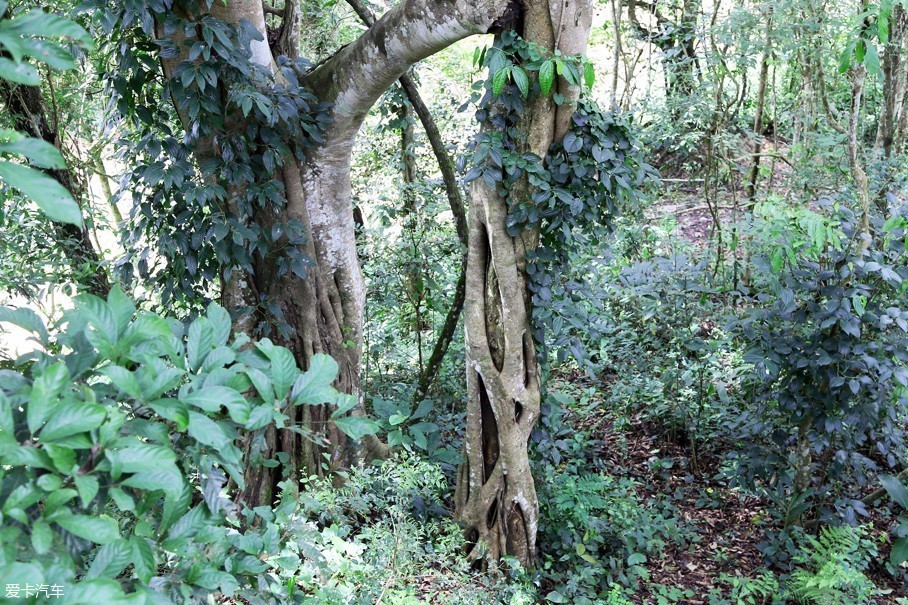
(529, 360)
(490, 446)
(493, 308)
(491, 514)
(518, 410)
(517, 541)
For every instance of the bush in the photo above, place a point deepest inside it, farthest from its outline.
(118, 445)
(827, 337)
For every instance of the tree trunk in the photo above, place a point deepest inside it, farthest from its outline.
(324, 312)
(751, 190)
(496, 497)
(895, 81)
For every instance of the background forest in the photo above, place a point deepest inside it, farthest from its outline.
(483, 302)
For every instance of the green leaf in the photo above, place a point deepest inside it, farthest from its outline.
(100, 530)
(897, 490)
(499, 80)
(344, 403)
(521, 80)
(636, 559)
(111, 559)
(167, 479)
(42, 536)
(204, 430)
(142, 558)
(99, 316)
(397, 419)
(71, 419)
(211, 399)
(26, 319)
(313, 386)
(124, 380)
(36, 22)
(124, 501)
(88, 487)
(58, 499)
(39, 153)
(589, 74)
(200, 342)
(140, 457)
(42, 401)
(221, 324)
(899, 552)
(546, 77)
(19, 73)
(283, 369)
(122, 308)
(355, 427)
(51, 196)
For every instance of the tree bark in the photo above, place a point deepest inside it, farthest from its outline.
(325, 310)
(895, 81)
(495, 495)
(751, 190)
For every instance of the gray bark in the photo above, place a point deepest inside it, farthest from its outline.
(495, 495)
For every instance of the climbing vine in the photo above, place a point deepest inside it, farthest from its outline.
(210, 160)
(571, 195)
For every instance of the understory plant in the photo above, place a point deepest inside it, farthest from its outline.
(122, 440)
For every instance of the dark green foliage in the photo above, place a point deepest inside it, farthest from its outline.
(827, 335)
(206, 177)
(119, 440)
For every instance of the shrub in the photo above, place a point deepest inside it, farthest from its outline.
(119, 452)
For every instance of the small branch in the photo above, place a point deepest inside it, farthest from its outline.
(879, 493)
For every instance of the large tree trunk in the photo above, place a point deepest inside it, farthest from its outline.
(324, 312)
(496, 497)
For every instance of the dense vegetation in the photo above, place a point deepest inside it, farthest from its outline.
(470, 302)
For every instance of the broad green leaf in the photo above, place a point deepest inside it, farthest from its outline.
(88, 487)
(51, 196)
(899, 552)
(43, 400)
(124, 380)
(521, 80)
(355, 427)
(100, 530)
(344, 403)
(58, 499)
(499, 80)
(283, 371)
(200, 342)
(39, 153)
(110, 560)
(211, 399)
(896, 489)
(142, 558)
(26, 319)
(206, 431)
(221, 324)
(313, 387)
(167, 478)
(546, 77)
(140, 457)
(36, 22)
(42, 536)
(124, 501)
(19, 73)
(589, 74)
(122, 308)
(99, 316)
(20, 455)
(72, 418)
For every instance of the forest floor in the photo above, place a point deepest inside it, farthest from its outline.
(728, 525)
